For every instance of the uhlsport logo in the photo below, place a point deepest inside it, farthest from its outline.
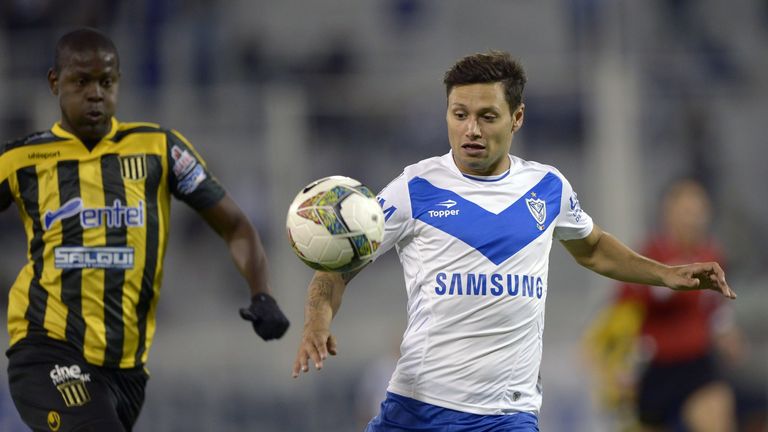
(70, 381)
(54, 420)
(538, 209)
(115, 216)
(448, 210)
(44, 155)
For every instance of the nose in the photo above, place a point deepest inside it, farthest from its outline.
(95, 92)
(473, 129)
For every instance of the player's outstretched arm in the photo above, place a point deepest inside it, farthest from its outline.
(323, 302)
(244, 244)
(606, 255)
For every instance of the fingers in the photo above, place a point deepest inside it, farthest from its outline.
(314, 350)
(692, 283)
(318, 353)
(332, 345)
(724, 288)
(300, 364)
(248, 315)
(712, 277)
(282, 328)
(716, 280)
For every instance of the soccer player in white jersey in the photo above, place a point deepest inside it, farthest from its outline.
(473, 229)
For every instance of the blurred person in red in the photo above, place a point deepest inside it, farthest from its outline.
(684, 336)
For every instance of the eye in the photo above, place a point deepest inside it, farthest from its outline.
(106, 83)
(81, 82)
(460, 115)
(489, 117)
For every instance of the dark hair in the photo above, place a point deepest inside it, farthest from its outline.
(81, 40)
(490, 67)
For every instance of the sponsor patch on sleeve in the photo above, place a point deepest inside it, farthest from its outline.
(188, 171)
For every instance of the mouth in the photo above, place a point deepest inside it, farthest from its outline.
(473, 146)
(473, 149)
(94, 116)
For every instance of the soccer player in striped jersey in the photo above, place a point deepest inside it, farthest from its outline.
(473, 229)
(94, 195)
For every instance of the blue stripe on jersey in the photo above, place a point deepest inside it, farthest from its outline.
(497, 236)
(400, 413)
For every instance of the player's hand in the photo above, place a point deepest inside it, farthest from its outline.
(268, 320)
(700, 276)
(316, 343)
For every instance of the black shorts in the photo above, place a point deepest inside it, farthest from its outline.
(664, 388)
(54, 389)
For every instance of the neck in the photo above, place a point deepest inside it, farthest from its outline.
(90, 143)
(490, 171)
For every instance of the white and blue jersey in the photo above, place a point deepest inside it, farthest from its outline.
(475, 256)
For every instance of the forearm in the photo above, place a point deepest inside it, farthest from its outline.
(323, 298)
(249, 257)
(612, 258)
(243, 242)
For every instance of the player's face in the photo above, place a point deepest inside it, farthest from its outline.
(481, 127)
(87, 87)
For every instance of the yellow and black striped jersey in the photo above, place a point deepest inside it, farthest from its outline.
(97, 228)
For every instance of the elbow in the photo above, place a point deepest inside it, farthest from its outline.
(590, 257)
(588, 262)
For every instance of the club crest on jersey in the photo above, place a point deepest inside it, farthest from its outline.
(538, 209)
(133, 167)
(71, 383)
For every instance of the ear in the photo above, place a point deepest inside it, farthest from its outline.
(53, 82)
(517, 117)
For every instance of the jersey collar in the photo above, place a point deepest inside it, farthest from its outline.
(59, 131)
(484, 179)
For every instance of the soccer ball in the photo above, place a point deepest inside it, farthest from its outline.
(335, 224)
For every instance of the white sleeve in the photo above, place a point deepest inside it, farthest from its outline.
(573, 222)
(395, 201)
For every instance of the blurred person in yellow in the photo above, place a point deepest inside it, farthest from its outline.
(93, 194)
(657, 353)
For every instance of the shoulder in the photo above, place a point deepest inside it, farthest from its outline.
(426, 163)
(535, 170)
(397, 191)
(125, 129)
(528, 166)
(42, 137)
(428, 166)
(172, 136)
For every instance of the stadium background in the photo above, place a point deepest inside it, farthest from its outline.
(622, 96)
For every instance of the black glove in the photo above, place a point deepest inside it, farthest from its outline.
(268, 320)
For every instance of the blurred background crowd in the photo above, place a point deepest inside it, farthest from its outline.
(622, 96)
